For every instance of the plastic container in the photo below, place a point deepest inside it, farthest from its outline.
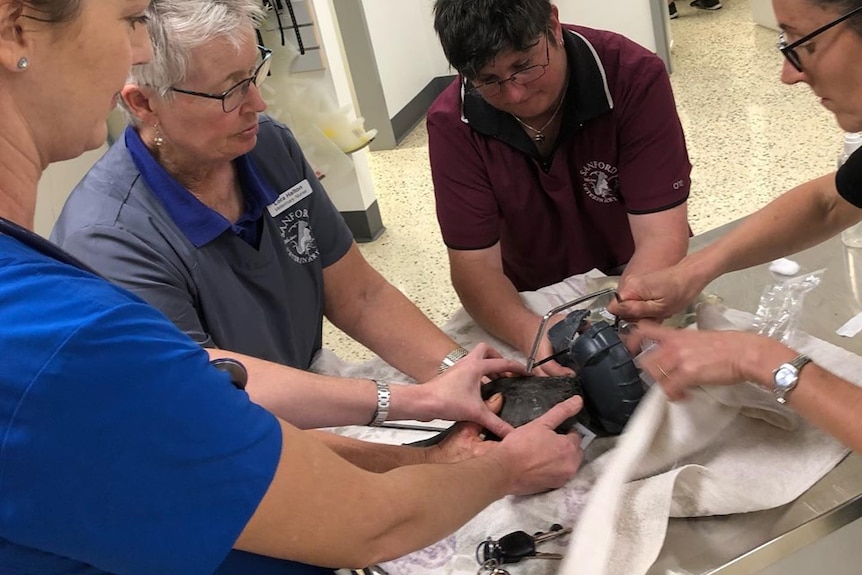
(852, 236)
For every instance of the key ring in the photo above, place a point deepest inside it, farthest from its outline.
(490, 550)
(491, 567)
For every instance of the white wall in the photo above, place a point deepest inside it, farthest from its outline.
(356, 191)
(631, 18)
(762, 13)
(409, 55)
(54, 187)
(406, 48)
(348, 178)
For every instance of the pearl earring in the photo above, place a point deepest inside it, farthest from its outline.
(158, 139)
(23, 64)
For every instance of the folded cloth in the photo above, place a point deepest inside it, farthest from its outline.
(727, 449)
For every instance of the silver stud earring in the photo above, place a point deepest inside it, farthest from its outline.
(23, 63)
(158, 139)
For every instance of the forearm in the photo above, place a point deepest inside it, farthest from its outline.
(830, 403)
(656, 254)
(383, 516)
(309, 400)
(434, 506)
(798, 219)
(390, 325)
(824, 399)
(494, 304)
(374, 457)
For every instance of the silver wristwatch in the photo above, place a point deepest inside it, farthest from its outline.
(785, 378)
(384, 397)
(451, 358)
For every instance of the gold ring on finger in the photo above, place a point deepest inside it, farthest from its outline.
(663, 372)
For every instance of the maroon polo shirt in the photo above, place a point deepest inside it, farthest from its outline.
(620, 151)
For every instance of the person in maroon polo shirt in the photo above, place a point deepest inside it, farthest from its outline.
(557, 150)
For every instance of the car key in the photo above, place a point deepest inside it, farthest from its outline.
(518, 545)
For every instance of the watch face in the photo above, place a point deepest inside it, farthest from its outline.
(785, 376)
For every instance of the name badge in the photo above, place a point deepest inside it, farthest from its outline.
(289, 197)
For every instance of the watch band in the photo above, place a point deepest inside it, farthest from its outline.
(794, 366)
(452, 358)
(384, 397)
(799, 361)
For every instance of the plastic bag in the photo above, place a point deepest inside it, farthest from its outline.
(777, 314)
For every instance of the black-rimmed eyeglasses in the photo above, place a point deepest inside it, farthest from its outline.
(521, 77)
(233, 97)
(789, 50)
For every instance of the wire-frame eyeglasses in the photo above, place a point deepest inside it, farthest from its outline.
(521, 77)
(234, 96)
(789, 50)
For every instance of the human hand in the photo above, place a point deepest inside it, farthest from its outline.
(456, 393)
(551, 368)
(682, 359)
(537, 457)
(464, 440)
(656, 295)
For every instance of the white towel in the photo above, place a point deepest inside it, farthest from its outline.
(729, 449)
(724, 450)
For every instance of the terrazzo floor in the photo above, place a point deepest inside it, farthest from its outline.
(749, 138)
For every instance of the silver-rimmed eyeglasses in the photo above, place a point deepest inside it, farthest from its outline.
(233, 97)
(789, 50)
(521, 77)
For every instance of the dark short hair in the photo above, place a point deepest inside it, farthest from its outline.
(843, 7)
(473, 32)
(56, 11)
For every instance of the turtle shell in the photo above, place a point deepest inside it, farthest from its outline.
(527, 397)
(524, 399)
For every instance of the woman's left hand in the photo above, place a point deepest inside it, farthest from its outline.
(681, 359)
(456, 393)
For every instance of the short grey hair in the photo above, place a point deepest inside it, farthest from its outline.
(177, 27)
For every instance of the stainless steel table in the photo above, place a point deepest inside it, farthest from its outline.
(745, 543)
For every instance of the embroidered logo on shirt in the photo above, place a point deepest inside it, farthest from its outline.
(298, 237)
(601, 182)
(289, 198)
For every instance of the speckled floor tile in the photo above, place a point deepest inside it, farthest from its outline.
(749, 137)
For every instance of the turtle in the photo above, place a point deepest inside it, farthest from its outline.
(606, 377)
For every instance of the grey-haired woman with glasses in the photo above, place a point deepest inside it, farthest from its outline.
(207, 209)
(821, 41)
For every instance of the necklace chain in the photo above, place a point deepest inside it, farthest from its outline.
(540, 137)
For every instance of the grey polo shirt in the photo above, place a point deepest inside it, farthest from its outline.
(256, 286)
